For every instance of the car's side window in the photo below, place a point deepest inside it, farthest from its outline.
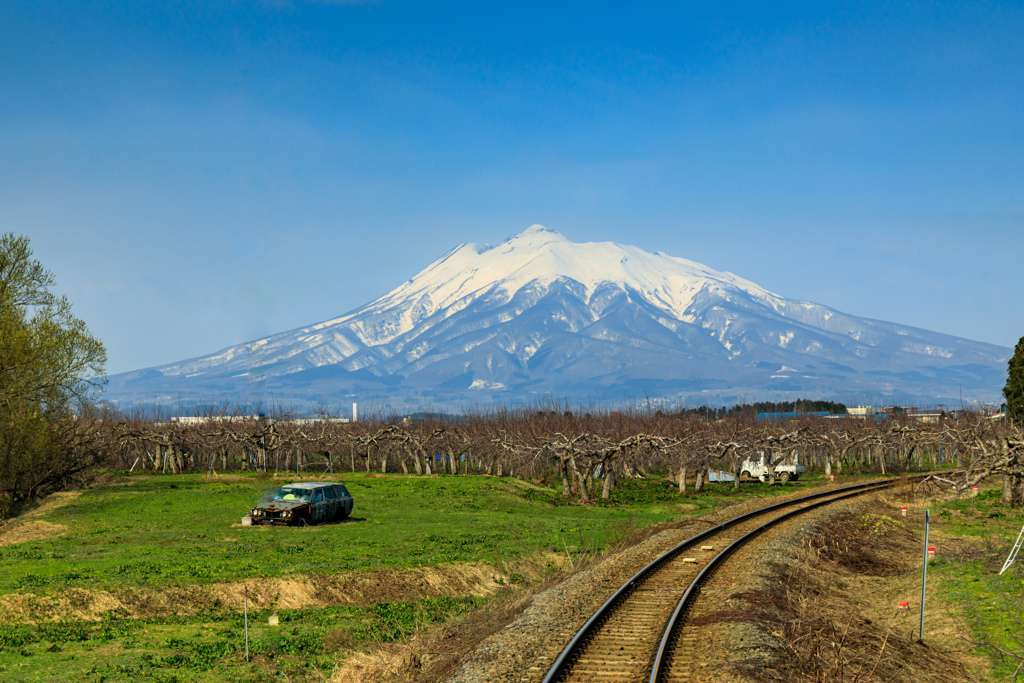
(318, 496)
(329, 492)
(343, 491)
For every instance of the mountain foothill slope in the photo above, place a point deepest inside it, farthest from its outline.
(538, 317)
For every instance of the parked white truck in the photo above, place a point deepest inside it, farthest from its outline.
(788, 468)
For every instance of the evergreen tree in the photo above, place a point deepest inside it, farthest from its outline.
(1014, 389)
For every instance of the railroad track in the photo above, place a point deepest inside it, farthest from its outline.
(640, 632)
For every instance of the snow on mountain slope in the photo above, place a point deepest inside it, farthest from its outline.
(540, 256)
(539, 314)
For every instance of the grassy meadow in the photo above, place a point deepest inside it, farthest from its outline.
(988, 607)
(140, 578)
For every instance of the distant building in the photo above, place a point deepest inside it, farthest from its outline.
(861, 411)
(203, 419)
(316, 420)
(779, 417)
(922, 415)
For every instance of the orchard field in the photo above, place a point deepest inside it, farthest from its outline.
(148, 573)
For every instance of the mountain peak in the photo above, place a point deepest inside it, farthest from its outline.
(539, 313)
(536, 234)
(538, 228)
(540, 257)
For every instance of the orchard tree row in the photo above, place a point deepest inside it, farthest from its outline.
(580, 452)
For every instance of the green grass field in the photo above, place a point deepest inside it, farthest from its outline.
(305, 645)
(156, 531)
(163, 533)
(991, 606)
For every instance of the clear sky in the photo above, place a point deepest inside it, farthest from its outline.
(202, 174)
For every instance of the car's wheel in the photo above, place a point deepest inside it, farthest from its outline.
(302, 521)
(746, 474)
(796, 477)
(784, 476)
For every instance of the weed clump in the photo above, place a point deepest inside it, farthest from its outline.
(867, 544)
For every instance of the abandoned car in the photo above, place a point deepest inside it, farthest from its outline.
(304, 504)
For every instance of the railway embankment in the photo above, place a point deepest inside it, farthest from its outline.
(815, 598)
(526, 648)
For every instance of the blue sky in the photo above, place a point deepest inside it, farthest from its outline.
(200, 174)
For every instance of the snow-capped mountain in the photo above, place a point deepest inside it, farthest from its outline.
(539, 316)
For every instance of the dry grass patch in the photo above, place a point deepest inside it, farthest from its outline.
(30, 531)
(300, 592)
(28, 526)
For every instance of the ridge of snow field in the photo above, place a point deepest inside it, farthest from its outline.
(540, 256)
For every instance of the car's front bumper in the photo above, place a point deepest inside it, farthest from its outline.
(274, 517)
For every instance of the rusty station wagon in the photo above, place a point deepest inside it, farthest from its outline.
(305, 503)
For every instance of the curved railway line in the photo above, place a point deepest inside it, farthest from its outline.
(640, 633)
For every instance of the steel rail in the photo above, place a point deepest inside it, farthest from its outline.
(566, 657)
(694, 587)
